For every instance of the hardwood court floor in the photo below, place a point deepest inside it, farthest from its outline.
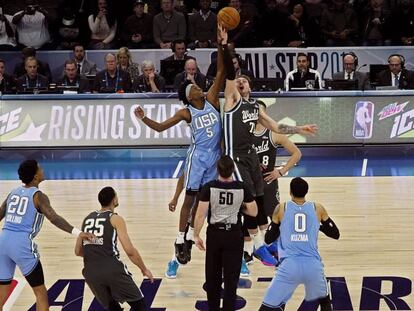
(374, 214)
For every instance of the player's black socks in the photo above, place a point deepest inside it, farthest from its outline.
(325, 304)
(138, 305)
(266, 308)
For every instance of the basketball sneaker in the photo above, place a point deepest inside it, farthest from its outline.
(189, 246)
(181, 252)
(263, 254)
(244, 271)
(272, 248)
(172, 268)
(248, 258)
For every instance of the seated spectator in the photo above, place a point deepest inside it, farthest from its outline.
(149, 81)
(191, 73)
(169, 25)
(31, 80)
(374, 22)
(271, 26)
(85, 67)
(203, 27)
(137, 31)
(124, 59)
(7, 33)
(240, 67)
(32, 26)
(179, 49)
(243, 35)
(20, 68)
(396, 75)
(303, 77)
(301, 30)
(402, 23)
(350, 63)
(7, 82)
(112, 79)
(102, 24)
(68, 32)
(72, 80)
(339, 24)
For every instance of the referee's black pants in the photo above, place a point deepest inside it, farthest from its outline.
(223, 259)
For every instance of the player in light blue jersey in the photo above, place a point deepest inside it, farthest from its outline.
(23, 212)
(202, 113)
(296, 225)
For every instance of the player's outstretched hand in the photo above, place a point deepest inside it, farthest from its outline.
(199, 243)
(148, 274)
(139, 113)
(308, 129)
(87, 236)
(222, 35)
(172, 205)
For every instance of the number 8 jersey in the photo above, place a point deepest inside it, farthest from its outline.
(299, 231)
(21, 213)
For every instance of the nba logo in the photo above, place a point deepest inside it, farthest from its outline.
(363, 120)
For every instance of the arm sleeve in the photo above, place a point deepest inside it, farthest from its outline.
(205, 193)
(248, 197)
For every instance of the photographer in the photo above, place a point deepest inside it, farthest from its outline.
(32, 26)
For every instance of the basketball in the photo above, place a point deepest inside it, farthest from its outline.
(228, 17)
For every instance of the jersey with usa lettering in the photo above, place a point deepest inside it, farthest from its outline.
(299, 231)
(21, 213)
(205, 127)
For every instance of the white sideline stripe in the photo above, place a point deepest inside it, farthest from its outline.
(177, 169)
(15, 294)
(364, 167)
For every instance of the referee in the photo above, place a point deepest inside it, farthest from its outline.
(222, 201)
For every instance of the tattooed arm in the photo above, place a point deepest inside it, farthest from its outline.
(272, 125)
(42, 203)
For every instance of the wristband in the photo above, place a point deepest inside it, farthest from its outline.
(76, 231)
(280, 173)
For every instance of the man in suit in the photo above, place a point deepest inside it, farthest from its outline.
(32, 80)
(7, 82)
(191, 73)
(350, 72)
(396, 75)
(20, 68)
(85, 67)
(72, 80)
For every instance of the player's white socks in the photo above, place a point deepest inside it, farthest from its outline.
(248, 247)
(258, 239)
(263, 233)
(180, 238)
(190, 234)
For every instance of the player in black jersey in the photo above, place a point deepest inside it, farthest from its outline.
(107, 277)
(265, 143)
(241, 114)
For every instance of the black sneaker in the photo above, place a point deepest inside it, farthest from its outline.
(181, 253)
(248, 258)
(189, 245)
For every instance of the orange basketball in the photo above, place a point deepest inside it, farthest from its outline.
(229, 18)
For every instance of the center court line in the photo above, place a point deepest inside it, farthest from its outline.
(364, 167)
(177, 169)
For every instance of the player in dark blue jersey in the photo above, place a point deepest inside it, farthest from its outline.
(296, 225)
(202, 113)
(23, 212)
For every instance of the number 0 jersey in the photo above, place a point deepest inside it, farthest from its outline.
(104, 246)
(21, 213)
(299, 231)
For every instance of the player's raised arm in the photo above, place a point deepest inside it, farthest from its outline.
(214, 91)
(180, 115)
(42, 203)
(327, 224)
(120, 226)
